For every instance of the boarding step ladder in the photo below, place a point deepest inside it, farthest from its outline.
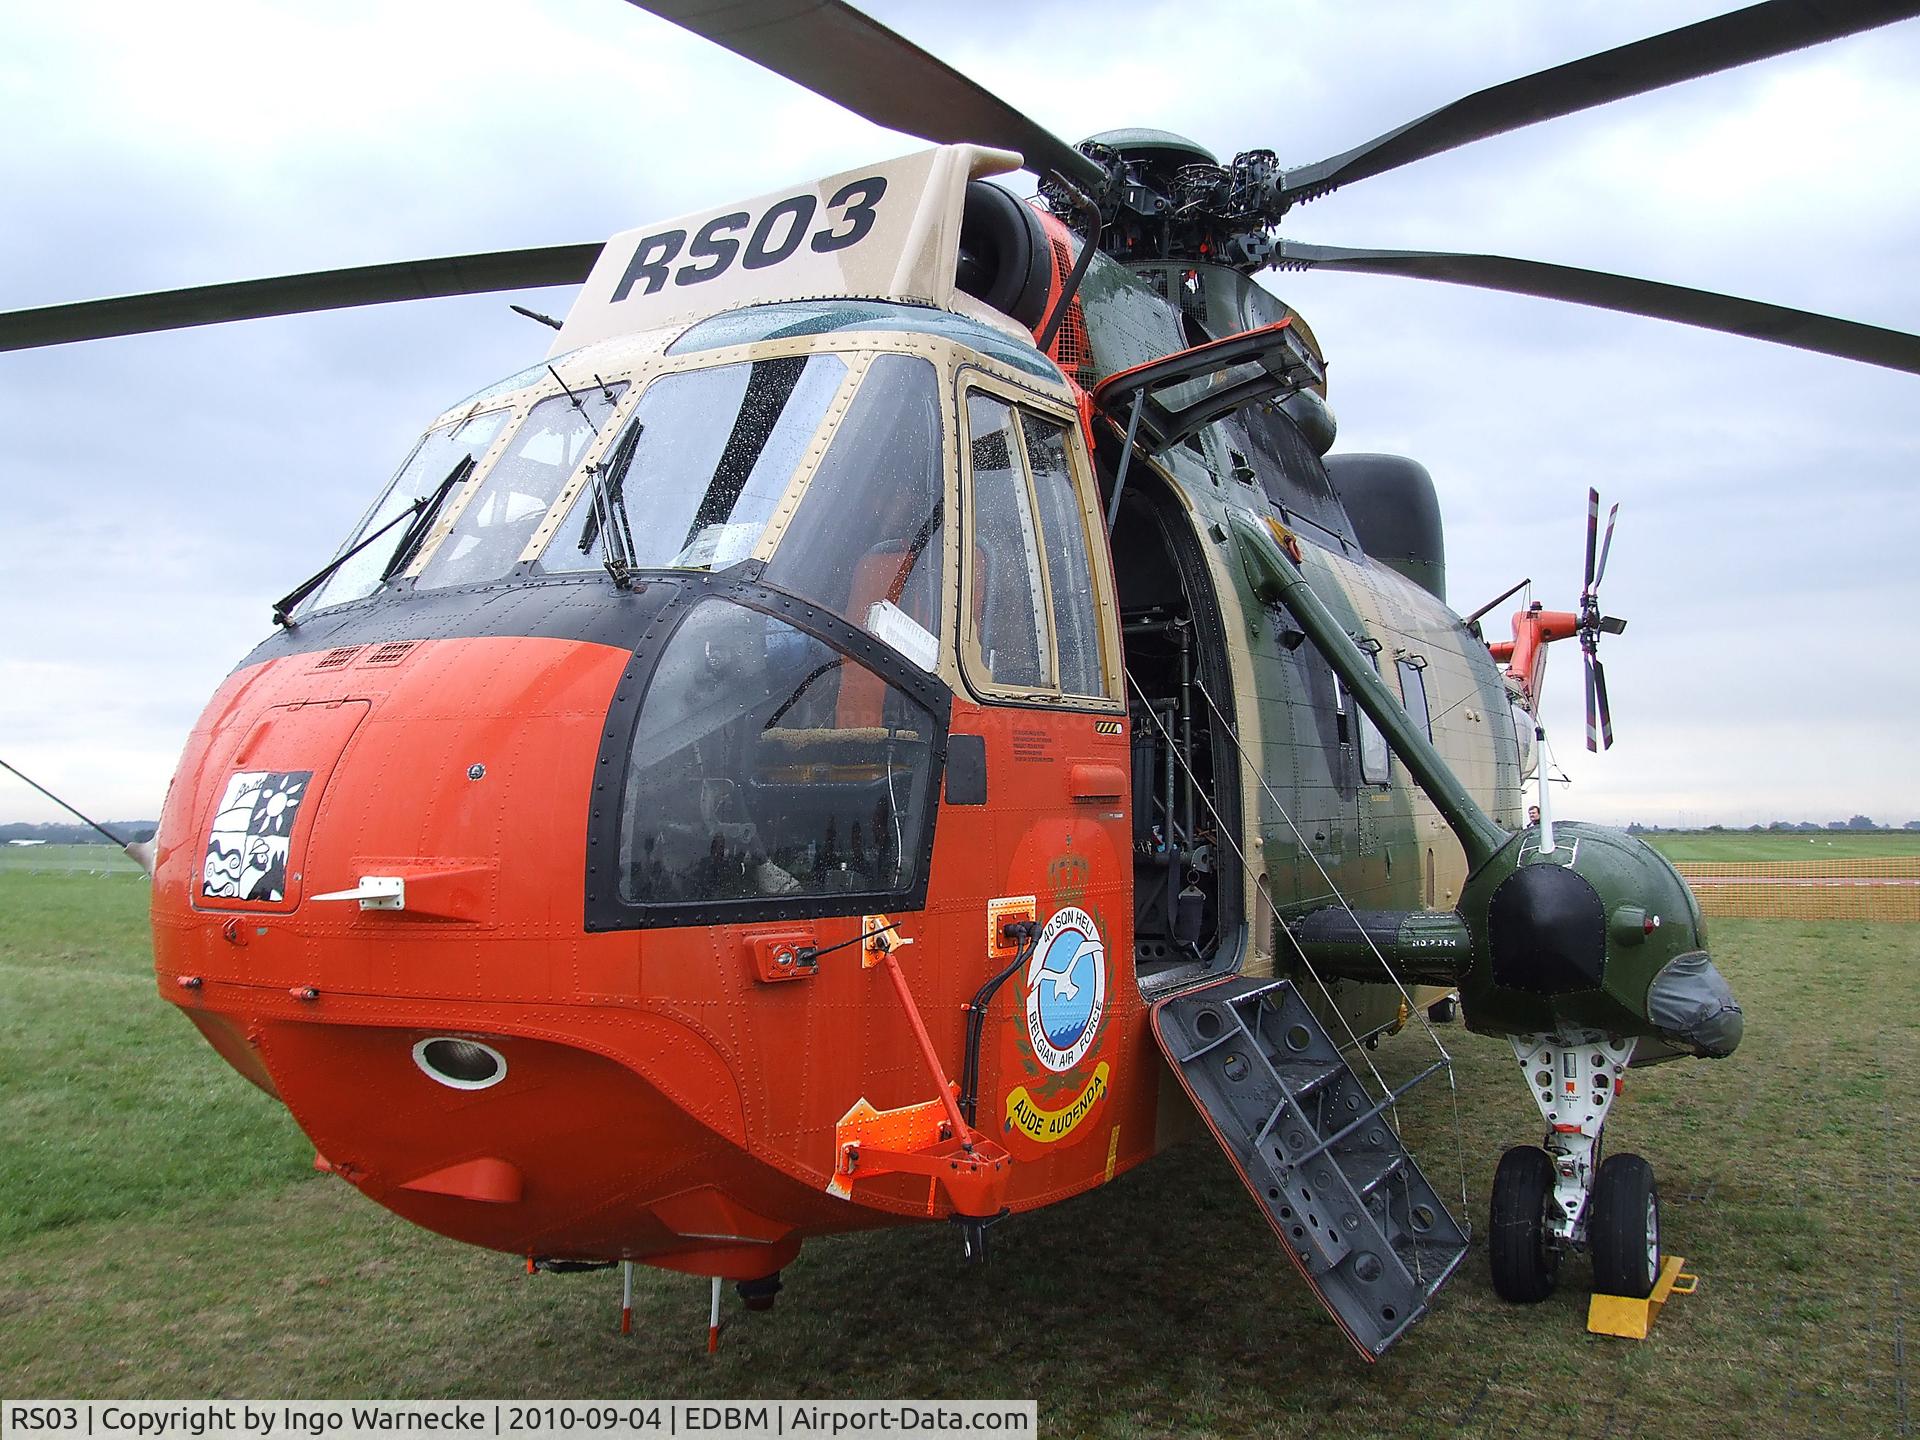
(1315, 1147)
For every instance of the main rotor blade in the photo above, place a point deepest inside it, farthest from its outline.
(1613, 517)
(855, 61)
(1721, 43)
(297, 294)
(1755, 319)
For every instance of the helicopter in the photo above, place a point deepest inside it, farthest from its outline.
(1199, 766)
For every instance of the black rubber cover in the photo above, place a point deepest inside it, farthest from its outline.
(966, 770)
(1547, 930)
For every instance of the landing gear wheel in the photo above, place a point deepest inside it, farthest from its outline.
(1442, 1010)
(1623, 1227)
(1524, 1261)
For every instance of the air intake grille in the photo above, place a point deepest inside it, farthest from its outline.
(391, 653)
(338, 658)
(1070, 351)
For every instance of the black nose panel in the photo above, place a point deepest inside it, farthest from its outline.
(1548, 931)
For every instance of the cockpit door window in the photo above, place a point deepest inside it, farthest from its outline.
(1034, 597)
(1063, 529)
(1011, 645)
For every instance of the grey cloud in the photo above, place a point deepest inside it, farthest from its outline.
(160, 491)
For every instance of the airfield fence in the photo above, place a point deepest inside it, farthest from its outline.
(1875, 887)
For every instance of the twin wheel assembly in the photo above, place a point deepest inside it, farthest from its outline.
(1560, 1196)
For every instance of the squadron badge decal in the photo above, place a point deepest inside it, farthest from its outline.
(251, 835)
(1066, 989)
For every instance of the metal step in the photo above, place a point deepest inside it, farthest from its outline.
(1315, 1148)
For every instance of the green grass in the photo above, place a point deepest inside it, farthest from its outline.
(190, 1252)
(1768, 845)
(109, 1110)
(103, 858)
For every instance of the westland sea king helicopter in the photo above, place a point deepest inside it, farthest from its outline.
(902, 714)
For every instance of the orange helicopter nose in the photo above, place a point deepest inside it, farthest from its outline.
(528, 1144)
(369, 898)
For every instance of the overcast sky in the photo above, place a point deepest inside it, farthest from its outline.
(160, 491)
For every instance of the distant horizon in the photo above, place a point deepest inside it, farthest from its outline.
(1689, 824)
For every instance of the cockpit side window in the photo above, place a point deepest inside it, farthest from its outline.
(769, 767)
(1009, 585)
(499, 518)
(1063, 528)
(1035, 602)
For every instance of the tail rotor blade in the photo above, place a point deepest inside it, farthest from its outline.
(1605, 545)
(1593, 533)
(1593, 734)
(1606, 716)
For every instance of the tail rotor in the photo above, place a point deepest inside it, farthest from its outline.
(1593, 624)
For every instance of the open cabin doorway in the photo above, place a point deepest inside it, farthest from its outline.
(1189, 905)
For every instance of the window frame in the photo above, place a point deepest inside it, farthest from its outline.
(319, 600)
(522, 405)
(1360, 726)
(968, 381)
(677, 597)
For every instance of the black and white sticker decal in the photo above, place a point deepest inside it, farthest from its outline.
(251, 834)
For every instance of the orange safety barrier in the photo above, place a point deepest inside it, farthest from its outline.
(1861, 888)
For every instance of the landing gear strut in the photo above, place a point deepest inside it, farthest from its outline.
(1560, 1196)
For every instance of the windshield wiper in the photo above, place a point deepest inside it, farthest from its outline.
(607, 521)
(425, 509)
(421, 512)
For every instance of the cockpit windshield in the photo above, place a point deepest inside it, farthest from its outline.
(498, 520)
(432, 461)
(715, 453)
(715, 459)
(869, 538)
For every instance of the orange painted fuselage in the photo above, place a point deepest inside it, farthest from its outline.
(662, 1100)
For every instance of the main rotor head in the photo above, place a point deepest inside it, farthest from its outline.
(1168, 198)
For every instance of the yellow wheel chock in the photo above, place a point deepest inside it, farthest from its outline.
(1631, 1319)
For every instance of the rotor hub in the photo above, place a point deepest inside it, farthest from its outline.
(1169, 198)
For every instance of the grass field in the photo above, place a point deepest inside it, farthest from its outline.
(161, 1234)
(1746, 845)
(1685, 845)
(66, 859)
